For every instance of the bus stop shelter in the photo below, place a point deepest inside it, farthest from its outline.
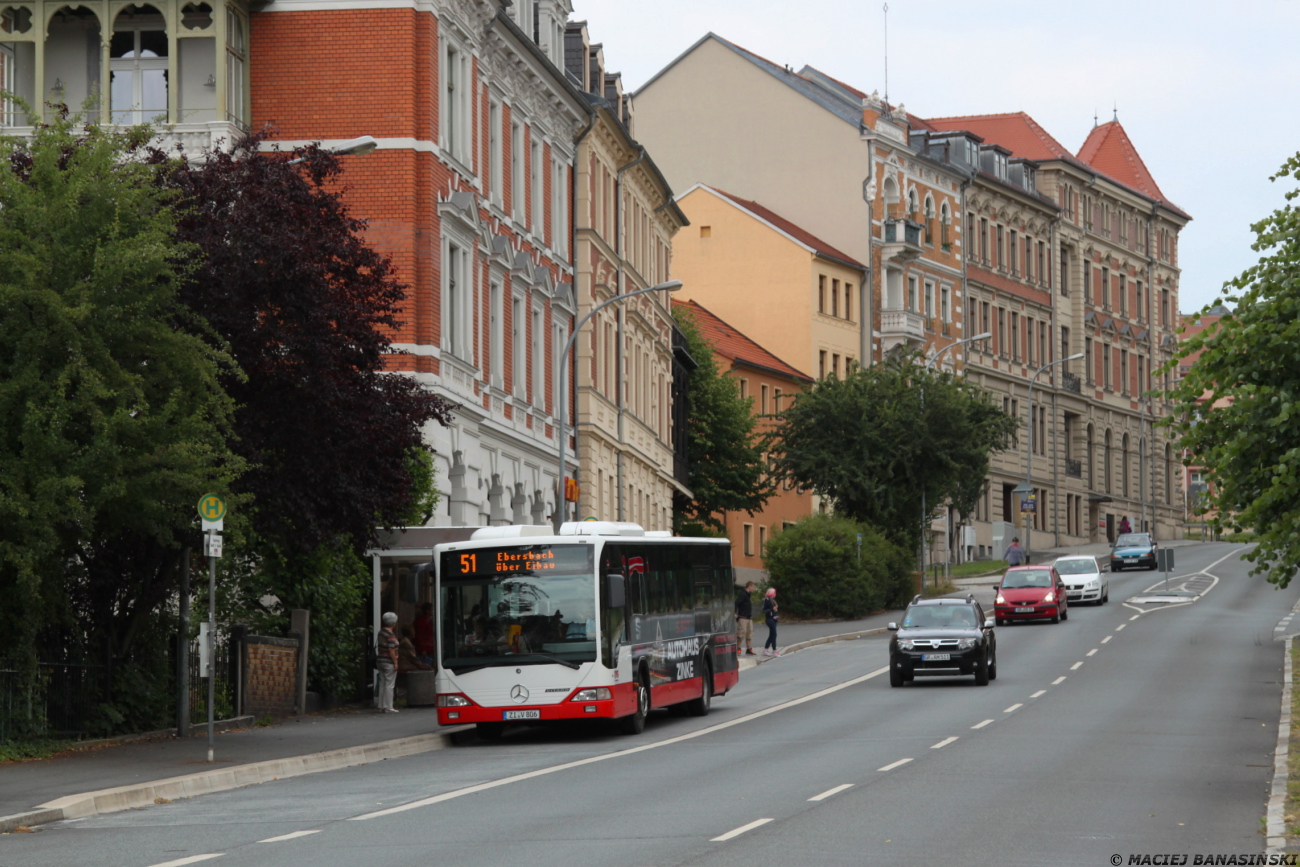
(402, 581)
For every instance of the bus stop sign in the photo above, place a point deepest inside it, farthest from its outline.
(212, 511)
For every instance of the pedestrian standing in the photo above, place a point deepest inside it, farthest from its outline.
(424, 633)
(745, 619)
(1015, 555)
(771, 614)
(386, 646)
(1125, 526)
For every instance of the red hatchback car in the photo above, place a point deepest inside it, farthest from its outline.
(1031, 593)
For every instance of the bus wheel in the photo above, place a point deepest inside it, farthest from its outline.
(635, 724)
(700, 706)
(490, 731)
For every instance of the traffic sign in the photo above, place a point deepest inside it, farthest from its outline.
(212, 508)
(1028, 504)
(212, 544)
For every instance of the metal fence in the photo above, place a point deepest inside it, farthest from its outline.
(58, 700)
(224, 671)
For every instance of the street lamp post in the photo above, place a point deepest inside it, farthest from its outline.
(1029, 445)
(356, 147)
(670, 286)
(929, 366)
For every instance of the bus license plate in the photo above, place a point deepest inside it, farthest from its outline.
(521, 714)
(935, 657)
(1028, 609)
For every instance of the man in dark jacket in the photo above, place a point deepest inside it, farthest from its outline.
(745, 619)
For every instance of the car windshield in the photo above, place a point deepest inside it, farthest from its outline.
(518, 605)
(1027, 578)
(1076, 567)
(940, 617)
(1133, 540)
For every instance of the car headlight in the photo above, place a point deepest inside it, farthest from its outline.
(600, 693)
(1092, 584)
(906, 645)
(1001, 600)
(452, 700)
(1050, 597)
(967, 643)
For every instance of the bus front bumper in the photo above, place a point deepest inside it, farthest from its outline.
(621, 704)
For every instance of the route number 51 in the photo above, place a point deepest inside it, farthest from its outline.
(469, 562)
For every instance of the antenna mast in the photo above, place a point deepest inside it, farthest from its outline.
(886, 10)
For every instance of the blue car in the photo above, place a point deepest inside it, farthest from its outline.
(1133, 550)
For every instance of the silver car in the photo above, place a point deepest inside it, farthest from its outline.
(1084, 579)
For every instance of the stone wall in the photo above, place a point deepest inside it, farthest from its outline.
(270, 675)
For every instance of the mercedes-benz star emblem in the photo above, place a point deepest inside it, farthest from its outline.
(518, 694)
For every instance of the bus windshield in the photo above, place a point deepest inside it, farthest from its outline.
(518, 605)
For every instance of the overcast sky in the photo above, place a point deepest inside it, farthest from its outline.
(1207, 92)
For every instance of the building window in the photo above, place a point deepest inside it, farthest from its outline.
(1065, 348)
(848, 300)
(929, 300)
(236, 58)
(1042, 262)
(743, 385)
(835, 297)
(518, 340)
(762, 394)
(776, 400)
(536, 192)
(984, 240)
(456, 303)
(821, 365)
(1001, 251)
(984, 322)
(517, 171)
(1001, 335)
(1087, 283)
(762, 540)
(747, 535)
(456, 96)
(945, 304)
(1087, 360)
(1105, 288)
(1014, 254)
(1138, 307)
(1121, 289)
(539, 359)
(821, 293)
(559, 207)
(1123, 371)
(835, 364)
(138, 67)
(929, 219)
(1164, 307)
(945, 221)
(1105, 366)
(1065, 271)
(496, 334)
(1015, 335)
(911, 294)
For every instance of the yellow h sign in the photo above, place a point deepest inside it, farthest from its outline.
(211, 508)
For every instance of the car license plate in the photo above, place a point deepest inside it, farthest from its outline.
(1028, 609)
(935, 657)
(522, 714)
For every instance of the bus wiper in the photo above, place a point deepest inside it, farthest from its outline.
(552, 658)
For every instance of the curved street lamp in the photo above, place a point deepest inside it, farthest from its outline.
(561, 427)
(929, 366)
(1028, 486)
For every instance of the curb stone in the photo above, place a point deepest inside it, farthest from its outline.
(206, 782)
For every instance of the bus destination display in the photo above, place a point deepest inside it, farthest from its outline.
(518, 559)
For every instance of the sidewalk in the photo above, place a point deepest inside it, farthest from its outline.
(27, 785)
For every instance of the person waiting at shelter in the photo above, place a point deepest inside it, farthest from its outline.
(424, 638)
(408, 658)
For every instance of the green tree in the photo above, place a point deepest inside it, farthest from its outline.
(1249, 372)
(727, 471)
(821, 569)
(871, 443)
(112, 418)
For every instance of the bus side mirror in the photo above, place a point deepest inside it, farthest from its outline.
(615, 592)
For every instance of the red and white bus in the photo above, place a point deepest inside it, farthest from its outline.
(604, 620)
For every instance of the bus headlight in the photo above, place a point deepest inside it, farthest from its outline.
(453, 700)
(600, 693)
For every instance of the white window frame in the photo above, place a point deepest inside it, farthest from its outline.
(929, 299)
(519, 345)
(137, 65)
(496, 180)
(236, 67)
(536, 187)
(457, 298)
(518, 182)
(539, 355)
(945, 303)
(559, 206)
(454, 100)
(497, 331)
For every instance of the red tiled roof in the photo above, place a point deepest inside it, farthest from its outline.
(804, 237)
(731, 344)
(1017, 131)
(1109, 150)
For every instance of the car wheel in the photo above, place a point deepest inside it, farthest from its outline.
(895, 675)
(982, 671)
(1105, 597)
(1056, 618)
(700, 706)
(635, 723)
(1065, 614)
(993, 667)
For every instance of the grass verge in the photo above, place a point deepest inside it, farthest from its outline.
(24, 751)
(1291, 810)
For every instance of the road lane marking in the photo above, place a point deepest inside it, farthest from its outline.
(1107, 638)
(1076, 665)
(835, 791)
(1091, 652)
(981, 725)
(892, 765)
(191, 859)
(1135, 617)
(294, 836)
(591, 760)
(1037, 694)
(943, 743)
(1058, 681)
(1013, 707)
(1120, 628)
(738, 831)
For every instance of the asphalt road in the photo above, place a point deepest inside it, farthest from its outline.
(1116, 732)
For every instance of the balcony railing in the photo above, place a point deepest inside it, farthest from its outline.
(1073, 468)
(902, 323)
(1070, 382)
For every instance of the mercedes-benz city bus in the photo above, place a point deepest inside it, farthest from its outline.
(604, 620)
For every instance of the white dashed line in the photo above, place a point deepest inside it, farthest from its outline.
(835, 791)
(1091, 652)
(897, 764)
(981, 725)
(294, 836)
(1013, 707)
(1135, 617)
(1121, 626)
(1076, 665)
(943, 743)
(1058, 681)
(1107, 638)
(738, 831)
(1037, 694)
(192, 859)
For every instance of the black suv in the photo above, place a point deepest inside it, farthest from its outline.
(943, 637)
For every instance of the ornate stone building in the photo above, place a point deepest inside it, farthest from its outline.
(625, 222)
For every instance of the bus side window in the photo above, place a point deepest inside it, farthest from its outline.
(685, 579)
